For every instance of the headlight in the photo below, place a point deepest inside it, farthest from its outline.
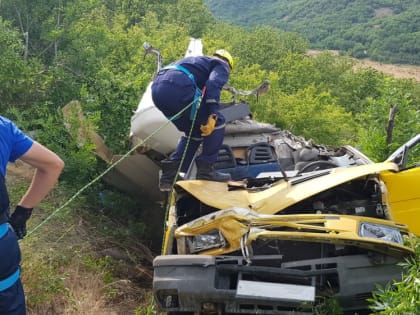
(380, 232)
(212, 239)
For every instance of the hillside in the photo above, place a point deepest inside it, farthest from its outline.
(382, 30)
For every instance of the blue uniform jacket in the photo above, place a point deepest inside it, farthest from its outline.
(210, 72)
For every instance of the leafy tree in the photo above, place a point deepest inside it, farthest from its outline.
(254, 48)
(309, 114)
(39, 23)
(355, 87)
(375, 117)
(192, 15)
(19, 79)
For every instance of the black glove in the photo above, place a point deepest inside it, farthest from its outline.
(18, 220)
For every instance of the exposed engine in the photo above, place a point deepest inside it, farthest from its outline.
(359, 197)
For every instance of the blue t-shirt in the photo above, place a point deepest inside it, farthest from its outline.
(13, 143)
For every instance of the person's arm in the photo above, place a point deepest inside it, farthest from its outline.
(48, 167)
(217, 79)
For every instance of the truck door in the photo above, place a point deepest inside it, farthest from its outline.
(404, 186)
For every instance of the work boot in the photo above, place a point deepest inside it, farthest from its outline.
(168, 172)
(205, 170)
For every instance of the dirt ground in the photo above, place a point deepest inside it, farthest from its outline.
(19, 170)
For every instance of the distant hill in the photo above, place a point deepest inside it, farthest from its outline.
(382, 30)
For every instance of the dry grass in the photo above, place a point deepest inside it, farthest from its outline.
(382, 12)
(69, 276)
(397, 71)
(87, 294)
(70, 269)
(84, 296)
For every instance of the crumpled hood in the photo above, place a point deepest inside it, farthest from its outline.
(282, 194)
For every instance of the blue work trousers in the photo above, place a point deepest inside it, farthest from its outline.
(172, 91)
(12, 300)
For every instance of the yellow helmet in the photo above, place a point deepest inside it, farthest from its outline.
(225, 55)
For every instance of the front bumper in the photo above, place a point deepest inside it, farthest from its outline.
(200, 283)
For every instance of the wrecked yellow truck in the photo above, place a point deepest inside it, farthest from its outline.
(280, 242)
(299, 223)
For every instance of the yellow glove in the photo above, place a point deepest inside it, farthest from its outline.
(208, 128)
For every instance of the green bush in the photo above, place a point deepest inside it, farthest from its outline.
(401, 297)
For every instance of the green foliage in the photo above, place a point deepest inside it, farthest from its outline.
(39, 23)
(104, 266)
(269, 53)
(382, 30)
(42, 278)
(373, 135)
(327, 306)
(150, 309)
(45, 124)
(19, 81)
(309, 114)
(99, 61)
(192, 15)
(401, 297)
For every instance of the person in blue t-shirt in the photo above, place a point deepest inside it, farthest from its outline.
(176, 87)
(14, 144)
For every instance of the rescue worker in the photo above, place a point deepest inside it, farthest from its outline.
(178, 86)
(14, 144)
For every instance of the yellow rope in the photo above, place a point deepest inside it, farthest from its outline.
(168, 201)
(110, 168)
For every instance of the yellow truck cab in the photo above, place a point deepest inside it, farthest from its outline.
(280, 242)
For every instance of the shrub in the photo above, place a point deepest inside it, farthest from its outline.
(401, 297)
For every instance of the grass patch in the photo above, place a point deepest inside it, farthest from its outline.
(88, 258)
